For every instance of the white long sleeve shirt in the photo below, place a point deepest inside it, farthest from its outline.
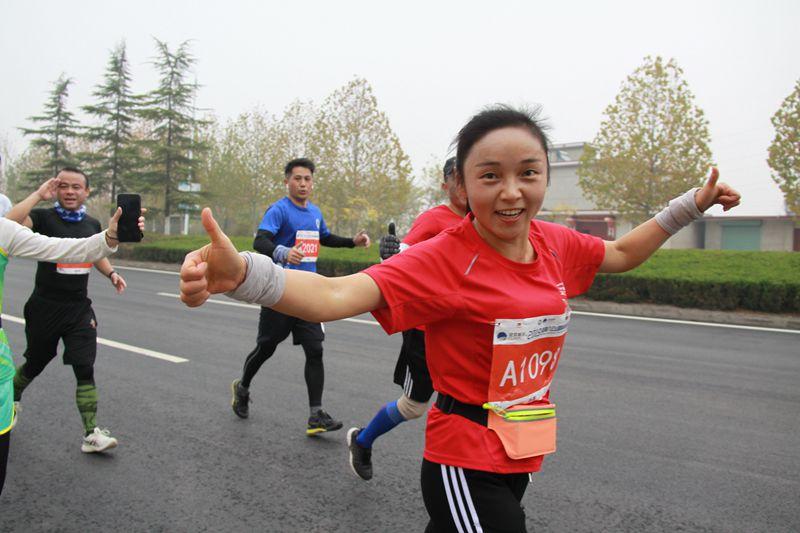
(18, 241)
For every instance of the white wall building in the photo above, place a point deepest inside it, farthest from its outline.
(565, 203)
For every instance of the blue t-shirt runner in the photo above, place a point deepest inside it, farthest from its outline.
(291, 232)
(294, 226)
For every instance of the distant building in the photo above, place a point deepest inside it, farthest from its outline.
(564, 203)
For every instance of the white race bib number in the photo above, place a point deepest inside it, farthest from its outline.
(309, 245)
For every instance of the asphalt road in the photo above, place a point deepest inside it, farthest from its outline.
(662, 427)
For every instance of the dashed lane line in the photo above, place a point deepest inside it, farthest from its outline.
(118, 345)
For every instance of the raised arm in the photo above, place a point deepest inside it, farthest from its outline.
(219, 268)
(20, 212)
(636, 246)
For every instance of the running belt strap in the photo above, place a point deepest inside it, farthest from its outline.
(450, 406)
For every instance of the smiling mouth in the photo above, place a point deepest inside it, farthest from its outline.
(509, 213)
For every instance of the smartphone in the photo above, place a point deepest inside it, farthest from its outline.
(128, 227)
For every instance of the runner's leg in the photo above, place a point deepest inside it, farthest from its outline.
(80, 351)
(43, 328)
(5, 441)
(6, 424)
(310, 336)
(411, 373)
(314, 373)
(273, 328)
(86, 396)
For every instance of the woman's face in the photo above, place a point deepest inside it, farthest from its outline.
(505, 176)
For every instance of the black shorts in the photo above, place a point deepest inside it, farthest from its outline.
(467, 501)
(274, 327)
(411, 371)
(48, 321)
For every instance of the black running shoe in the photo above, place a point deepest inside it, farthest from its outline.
(360, 458)
(240, 398)
(322, 422)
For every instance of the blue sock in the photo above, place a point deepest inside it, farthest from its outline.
(385, 420)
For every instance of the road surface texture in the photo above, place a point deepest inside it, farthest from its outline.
(662, 427)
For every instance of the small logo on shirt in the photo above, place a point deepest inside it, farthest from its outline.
(502, 335)
(317, 221)
(562, 289)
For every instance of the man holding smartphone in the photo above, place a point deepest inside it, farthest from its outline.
(59, 308)
(291, 233)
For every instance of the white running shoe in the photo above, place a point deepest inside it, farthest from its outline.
(98, 440)
(17, 409)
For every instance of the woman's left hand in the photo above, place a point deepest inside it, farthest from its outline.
(716, 193)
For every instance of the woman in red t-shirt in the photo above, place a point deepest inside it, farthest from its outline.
(492, 293)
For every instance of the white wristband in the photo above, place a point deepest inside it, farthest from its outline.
(680, 212)
(264, 283)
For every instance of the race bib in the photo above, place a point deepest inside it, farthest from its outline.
(73, 269)
(309, 244)
(524, 360)
(525, 357)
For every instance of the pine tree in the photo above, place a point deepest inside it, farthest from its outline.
(652, 145)
(113, 162)
(174, 148)
(58, 127)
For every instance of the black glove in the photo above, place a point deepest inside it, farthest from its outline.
(389, 244)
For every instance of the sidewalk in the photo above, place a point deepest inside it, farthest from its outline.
(745, 318)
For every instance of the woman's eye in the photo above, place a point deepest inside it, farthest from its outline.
(530, 172)
(489, 176)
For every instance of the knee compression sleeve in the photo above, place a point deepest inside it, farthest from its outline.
(411, 409)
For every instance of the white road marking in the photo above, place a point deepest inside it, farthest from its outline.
(138, 269)
(117, 345)
(688, 322)
(253, 306)
(585, 313)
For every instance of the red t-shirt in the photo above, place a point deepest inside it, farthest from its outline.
(431, 223)
(458, 286)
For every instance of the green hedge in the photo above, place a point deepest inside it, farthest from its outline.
(706, 279)
(709, 279)
(331, 262)
(769, 297)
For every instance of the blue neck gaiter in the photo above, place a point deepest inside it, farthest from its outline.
(71, 216)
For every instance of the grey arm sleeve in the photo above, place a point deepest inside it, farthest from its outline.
(264, 283)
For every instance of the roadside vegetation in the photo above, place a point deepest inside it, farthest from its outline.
(706, 279)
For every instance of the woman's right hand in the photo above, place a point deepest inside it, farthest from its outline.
(215, 268)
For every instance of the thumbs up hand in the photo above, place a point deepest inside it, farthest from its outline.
(716, 193)
(215, 268)
(389, 243)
